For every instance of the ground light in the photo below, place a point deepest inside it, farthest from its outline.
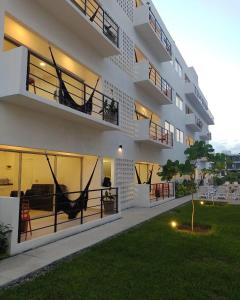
(202, 202)
(173, 224)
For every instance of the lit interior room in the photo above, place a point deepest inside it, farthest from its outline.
(25, 173)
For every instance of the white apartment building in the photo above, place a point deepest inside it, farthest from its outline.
(82, 80)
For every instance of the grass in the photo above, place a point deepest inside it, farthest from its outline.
(152, 261)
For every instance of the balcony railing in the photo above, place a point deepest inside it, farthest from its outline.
(100, 17)
(43, 81)
(160, 134)
(159, 32)
(157, 132)
(162, 191)
(101, 203)
(158, 81)
(198, 122)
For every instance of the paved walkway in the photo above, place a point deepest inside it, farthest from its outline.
(17, 267)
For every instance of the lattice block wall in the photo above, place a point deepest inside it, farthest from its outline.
(125, 61)
(128, 7)
(126, 107)
(124, 172)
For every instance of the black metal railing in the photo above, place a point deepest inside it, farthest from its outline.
(198, 122)
(157, 132)
(99, 17)
(159, 32)
(161, 83)
(160, 134)
(43, 81)
(140, 116)
(38, 218)
(162, 191)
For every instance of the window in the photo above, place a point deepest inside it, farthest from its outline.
(179, 136)
(179, 102)
(188, 110)
(187, 80)
(178, 68)
(189, 141)
(169, 127)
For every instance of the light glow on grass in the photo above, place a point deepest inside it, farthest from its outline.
(174, 224)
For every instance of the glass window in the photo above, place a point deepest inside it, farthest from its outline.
(66, 168)
(178, 68)
(179, 102)
(168, 126)
(107, 179)
(143, 171)
(179, 136)
(9, 172)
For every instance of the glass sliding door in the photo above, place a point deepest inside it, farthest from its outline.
(9, 171)
(37, 182)
(69, 174)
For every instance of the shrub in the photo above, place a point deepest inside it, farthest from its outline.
(4, 230)
(184, 188)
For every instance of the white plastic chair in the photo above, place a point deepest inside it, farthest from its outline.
(203, 192)
(222, 193)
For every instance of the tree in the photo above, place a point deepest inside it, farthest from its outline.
(169, 170)
(220, 161)
(194, 153)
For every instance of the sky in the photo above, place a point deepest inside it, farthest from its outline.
(207, 33)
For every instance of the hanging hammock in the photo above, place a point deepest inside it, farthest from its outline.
(150, 176)
(138, 177)
(65, 97)
(69, 207)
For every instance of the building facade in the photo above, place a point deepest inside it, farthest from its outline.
(88, 79)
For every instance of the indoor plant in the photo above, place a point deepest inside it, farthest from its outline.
(108, 202)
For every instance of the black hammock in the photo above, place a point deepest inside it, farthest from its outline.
(65, 97)
(149, 181)
(69, 207)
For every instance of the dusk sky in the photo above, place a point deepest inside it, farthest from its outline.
(207, 32)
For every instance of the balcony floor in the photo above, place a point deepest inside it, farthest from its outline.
(151, 39)
(154, 92)
(33, 102)
(89, 215)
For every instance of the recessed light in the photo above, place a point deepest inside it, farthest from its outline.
(42, 64)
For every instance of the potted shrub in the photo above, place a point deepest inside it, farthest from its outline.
(110, 111)
(4, 238)
(108, 202)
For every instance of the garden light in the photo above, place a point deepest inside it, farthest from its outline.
(174, 224)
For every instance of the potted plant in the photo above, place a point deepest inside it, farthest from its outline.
(108, 202)
(110, 111)
(4, 238)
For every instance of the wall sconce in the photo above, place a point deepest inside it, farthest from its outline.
(120, 148)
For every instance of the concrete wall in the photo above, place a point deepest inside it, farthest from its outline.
(28, 127)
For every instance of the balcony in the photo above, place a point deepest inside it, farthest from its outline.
(150, 195)
(150, 30)
(89, 21)
(194, 123)
(148, 78)
(25, 83)
(198, 101)
(206, 136)
(150, 133)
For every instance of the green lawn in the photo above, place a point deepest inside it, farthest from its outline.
(152, 261)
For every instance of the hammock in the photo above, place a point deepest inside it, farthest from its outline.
(69, 207)
(138, 177)
(65, 97)
(150, 177)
